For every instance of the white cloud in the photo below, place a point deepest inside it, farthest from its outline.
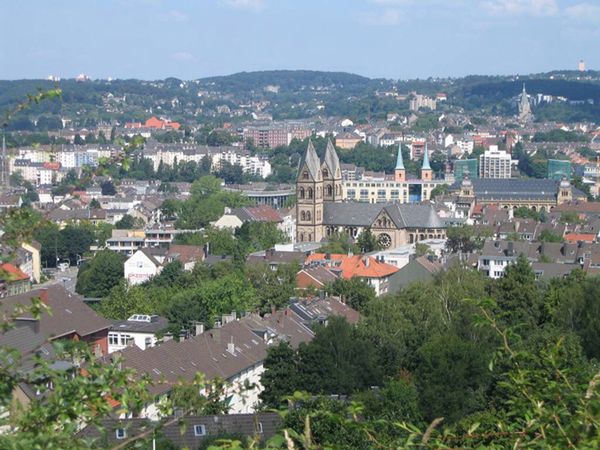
(182, 56)
(583, 11)
(536, 8)
(385, 17)
(176, 16)
(253, 5)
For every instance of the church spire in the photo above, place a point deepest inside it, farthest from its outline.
(399, 160)
(426, 165)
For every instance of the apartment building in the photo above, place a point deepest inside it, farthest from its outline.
(495, 163)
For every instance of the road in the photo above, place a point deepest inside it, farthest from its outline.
(68, 278)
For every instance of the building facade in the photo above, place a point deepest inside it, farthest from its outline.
(495, 163)
(321, 210)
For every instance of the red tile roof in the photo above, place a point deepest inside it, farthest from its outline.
(580, 237)
(12, 273)
(354, 265)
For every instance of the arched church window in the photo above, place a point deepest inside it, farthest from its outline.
(302, 216)
(305, 175)
(308, 216)
(325, 173)
(310, 193)
(301, 192)
(329, 190)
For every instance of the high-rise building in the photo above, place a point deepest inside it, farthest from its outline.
(495, 163)
(559, 169)
(464, 166)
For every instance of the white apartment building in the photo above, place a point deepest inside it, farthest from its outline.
(139, 330)
(495, 163)
(168, 155)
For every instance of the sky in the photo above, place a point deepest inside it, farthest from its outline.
(399, 39)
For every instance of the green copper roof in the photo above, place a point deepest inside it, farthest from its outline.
(399, 160)
(426, 165)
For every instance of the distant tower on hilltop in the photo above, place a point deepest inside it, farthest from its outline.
(581, 65)
(525, 114)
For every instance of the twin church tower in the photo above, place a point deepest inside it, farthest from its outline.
(319, 187)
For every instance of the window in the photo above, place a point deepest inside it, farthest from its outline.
(148, 342)
(351, 193)
(121, 433)
(329, 190)
(308, 218)
(259, 428)
(140, 264)
(305, 175)
(310, 193)
(199, 430)
(113, 339)
(301, 192)
(325, 173)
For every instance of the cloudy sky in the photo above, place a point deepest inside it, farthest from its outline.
(154, 39)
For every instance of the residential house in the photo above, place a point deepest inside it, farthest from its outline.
(316, 277)
(71, 318)
(143, 265)
(139, 329)
(187, 432)
(13, 280)
(421, 269)
(375, 273)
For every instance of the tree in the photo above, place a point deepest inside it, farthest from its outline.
(280, 377)
(78, 140)
(108, 188)
(100, 274)
(440, 189)
(465, 239)
(452, 377)
(128, 222)
(549, 236)
(367, 242)
(337, 360)
(355, 291)
(519, 299)
(95, 204)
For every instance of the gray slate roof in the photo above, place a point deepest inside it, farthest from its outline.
(264, 425)
(331, 159)
(312, 162)
(515, 188)
(404, 215)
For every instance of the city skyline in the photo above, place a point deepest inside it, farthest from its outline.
(397, 39)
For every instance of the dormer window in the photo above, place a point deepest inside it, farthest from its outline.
(325, 173)
(120, 433)
(199, 430)
(305, 175)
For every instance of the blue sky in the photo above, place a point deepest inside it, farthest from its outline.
(154, 39)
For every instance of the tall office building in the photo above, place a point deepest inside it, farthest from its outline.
(495, 163)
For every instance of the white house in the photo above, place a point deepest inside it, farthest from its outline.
(142, 265)
(140, 330)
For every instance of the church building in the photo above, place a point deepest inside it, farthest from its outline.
(321, 209)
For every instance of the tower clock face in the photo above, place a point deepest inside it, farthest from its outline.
(384, 240)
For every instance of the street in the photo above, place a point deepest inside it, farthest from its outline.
(68, 278)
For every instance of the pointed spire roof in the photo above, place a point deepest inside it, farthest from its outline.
(524, 91)
(331, 159)
(399, 160)
(311, 160)
(426, 165)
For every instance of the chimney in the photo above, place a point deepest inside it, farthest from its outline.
(231, 347)
(44, 296)
(199, 328)
(367, 261)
